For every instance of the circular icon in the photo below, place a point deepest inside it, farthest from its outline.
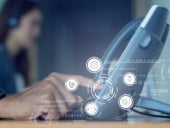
(126, 102)
(129, 79)
(94, 64)
(71, 85)
(109, 92)
(91, 108)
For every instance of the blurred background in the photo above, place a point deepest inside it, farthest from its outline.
(75, 30)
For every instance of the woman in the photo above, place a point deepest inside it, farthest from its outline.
(20, 22)
(16, 36)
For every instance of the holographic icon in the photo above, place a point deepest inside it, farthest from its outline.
(129, 79)
(71, 84)
(110, 91)
(126, 102)
(91, 108)
(94, 64)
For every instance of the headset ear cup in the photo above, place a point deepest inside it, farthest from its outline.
(13, 22)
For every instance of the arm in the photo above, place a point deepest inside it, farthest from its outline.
(7, 81)
(6, 107)
(48, 99)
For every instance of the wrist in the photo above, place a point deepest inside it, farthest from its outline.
(7, 104)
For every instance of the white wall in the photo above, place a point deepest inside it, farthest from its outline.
(140, 9)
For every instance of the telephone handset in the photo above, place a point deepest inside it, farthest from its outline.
(146, 38)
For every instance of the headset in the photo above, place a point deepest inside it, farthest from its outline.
(13, 21)
(144, 39)
(14, 18)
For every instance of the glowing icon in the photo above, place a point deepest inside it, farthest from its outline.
(91, 108)
(109, 92)
(129, 79)
(94, 64)
(71, 85)
(126, 102)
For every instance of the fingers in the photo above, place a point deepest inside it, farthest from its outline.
(59, 100)
(52, 115)
(53, 101)
(71, 99)
(52, 111)
(83, 81)
(47, 111)
(35, 115)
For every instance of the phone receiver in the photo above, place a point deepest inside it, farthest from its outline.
(125, 34)
(143, 39)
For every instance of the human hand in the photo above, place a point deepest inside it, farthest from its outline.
(48, 99)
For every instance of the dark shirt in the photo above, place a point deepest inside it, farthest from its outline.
(7, 71)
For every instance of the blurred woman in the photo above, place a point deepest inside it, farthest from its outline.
(20, 22)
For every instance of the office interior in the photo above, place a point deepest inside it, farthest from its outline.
(75, 30)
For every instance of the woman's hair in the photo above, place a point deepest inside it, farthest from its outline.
(16, 9)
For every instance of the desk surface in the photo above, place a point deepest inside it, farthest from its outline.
(132, 122)
(16, 124)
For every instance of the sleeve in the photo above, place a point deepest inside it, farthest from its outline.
(2, 61)
(7, 81)
(2, 94)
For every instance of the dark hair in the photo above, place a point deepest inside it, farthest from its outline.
(23, 7)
